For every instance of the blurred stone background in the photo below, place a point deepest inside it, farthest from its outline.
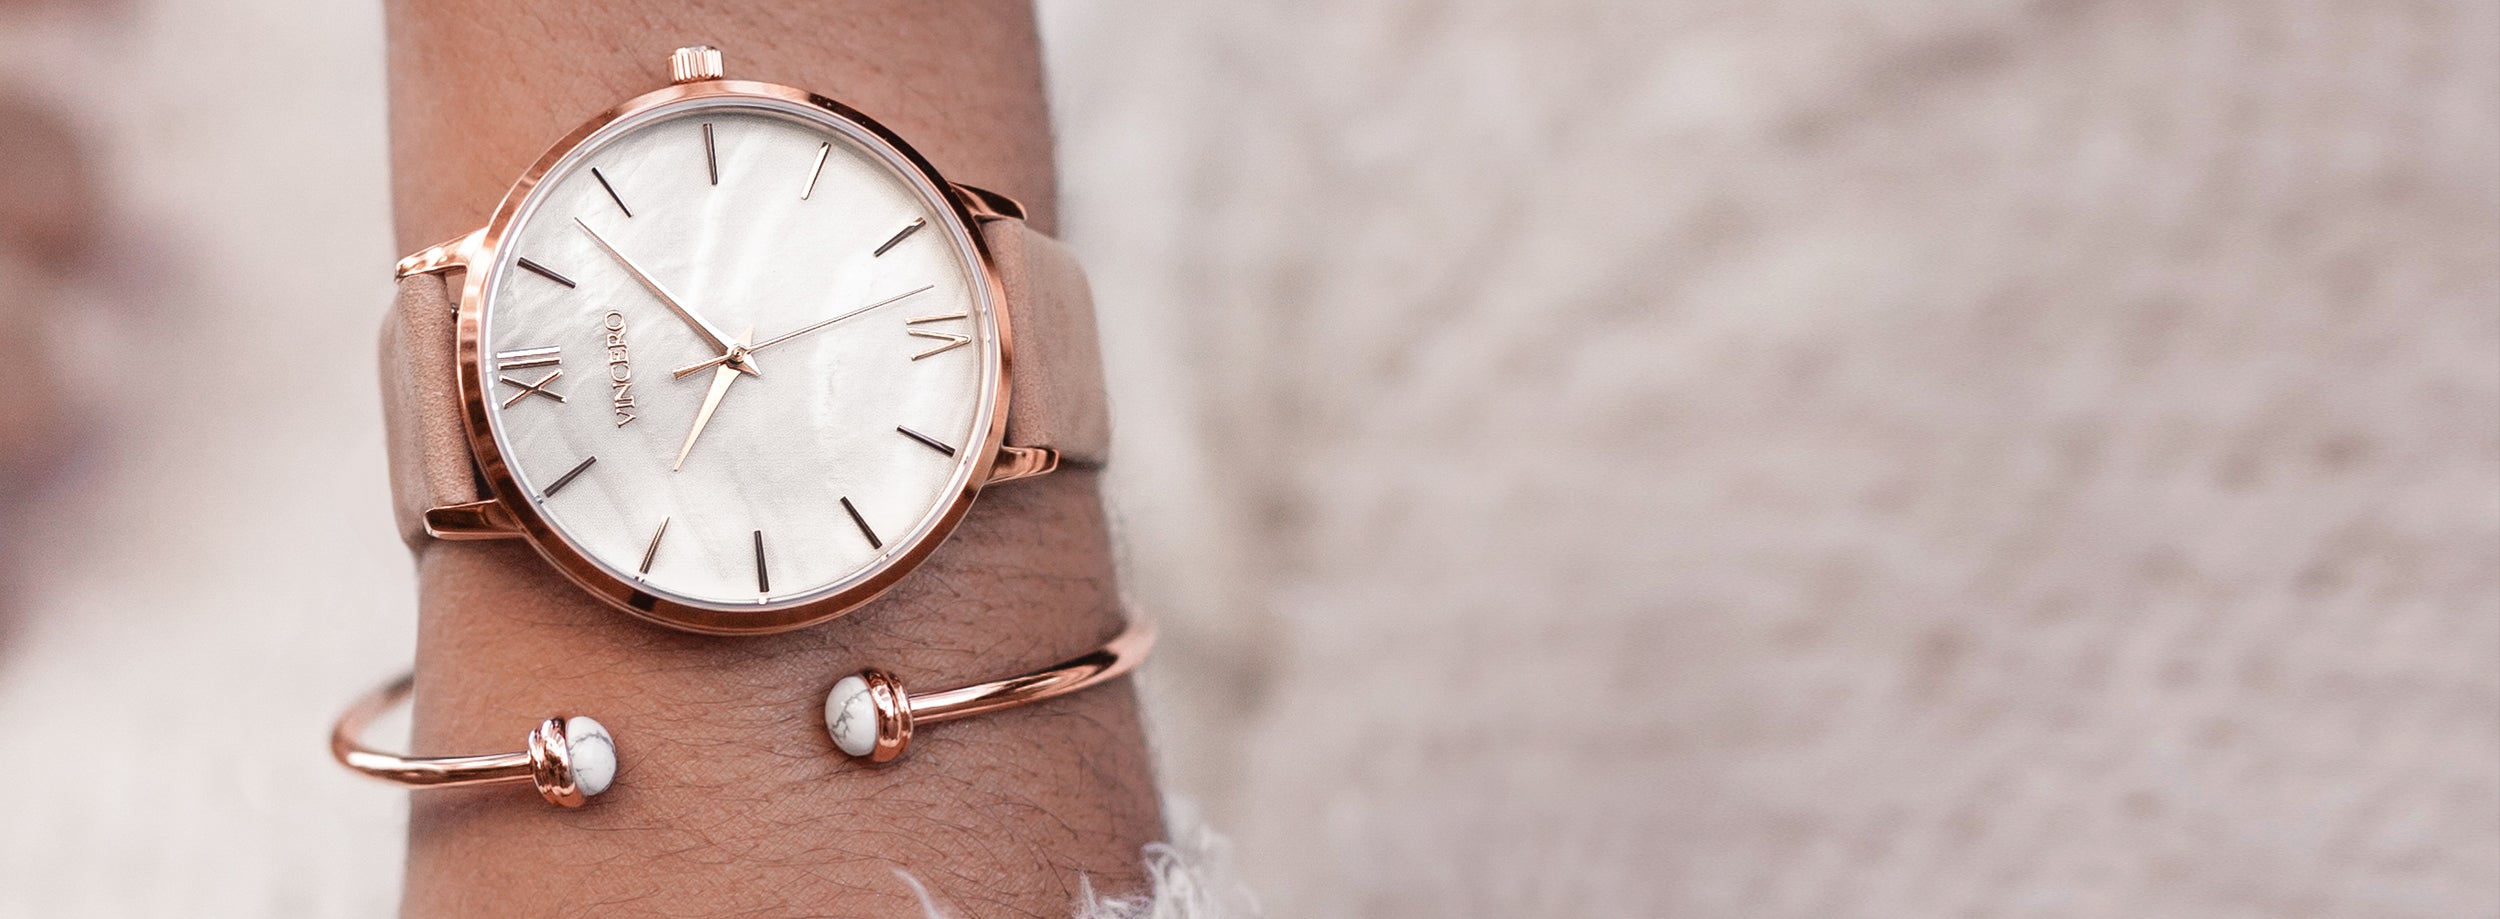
(1649, 459)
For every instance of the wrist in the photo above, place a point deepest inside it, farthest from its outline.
(730, 796)
(723, 741)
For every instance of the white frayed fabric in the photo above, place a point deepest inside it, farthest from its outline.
(1190, 877)
(928, 906)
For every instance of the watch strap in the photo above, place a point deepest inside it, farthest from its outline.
(1056, 400)
(1056, 369)
(429, 445)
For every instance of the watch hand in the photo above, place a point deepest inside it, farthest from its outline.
(701, 328)
(786, 336)
(721, 378)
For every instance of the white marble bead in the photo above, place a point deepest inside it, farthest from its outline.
(594, 754)
(851, 716)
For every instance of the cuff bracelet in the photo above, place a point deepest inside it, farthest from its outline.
(868, 714)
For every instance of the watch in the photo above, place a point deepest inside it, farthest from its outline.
(733, 358)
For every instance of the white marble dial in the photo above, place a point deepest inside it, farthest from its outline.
(865, 356)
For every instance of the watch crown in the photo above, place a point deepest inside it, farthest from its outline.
(692, 63)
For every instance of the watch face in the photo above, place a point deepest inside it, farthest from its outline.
(737, 354)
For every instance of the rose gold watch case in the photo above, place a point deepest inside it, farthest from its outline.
(965, 208)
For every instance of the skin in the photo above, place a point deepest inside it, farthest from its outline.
(731, 799)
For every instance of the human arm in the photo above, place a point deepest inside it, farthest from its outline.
(732, 799)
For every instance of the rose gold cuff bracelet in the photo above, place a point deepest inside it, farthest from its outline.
(868, 715)
(550, 760)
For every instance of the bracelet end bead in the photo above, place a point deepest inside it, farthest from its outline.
(869, 716)
(572, 760)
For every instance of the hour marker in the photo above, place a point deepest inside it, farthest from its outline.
(873, 541)
(612, 196)
(763, 581)
(545, 272)
(533, 389)
(952, 340)
(653, 551)
(926, 440)
(908, 229)
(518, 358)
(567, 478)
(710, 160)
(822, 150)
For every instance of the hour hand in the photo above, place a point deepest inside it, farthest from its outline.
(710, 335)
(721, 379)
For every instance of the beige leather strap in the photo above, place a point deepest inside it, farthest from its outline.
(1056, 400)
(421, 406)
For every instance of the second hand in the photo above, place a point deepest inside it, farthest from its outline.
(786, 336)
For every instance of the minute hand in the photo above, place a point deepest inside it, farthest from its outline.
(794, 333)
(711, 336)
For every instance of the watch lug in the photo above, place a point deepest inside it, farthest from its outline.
(487, 519)
(443, 256)
(987, 205)
(1022, 463)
